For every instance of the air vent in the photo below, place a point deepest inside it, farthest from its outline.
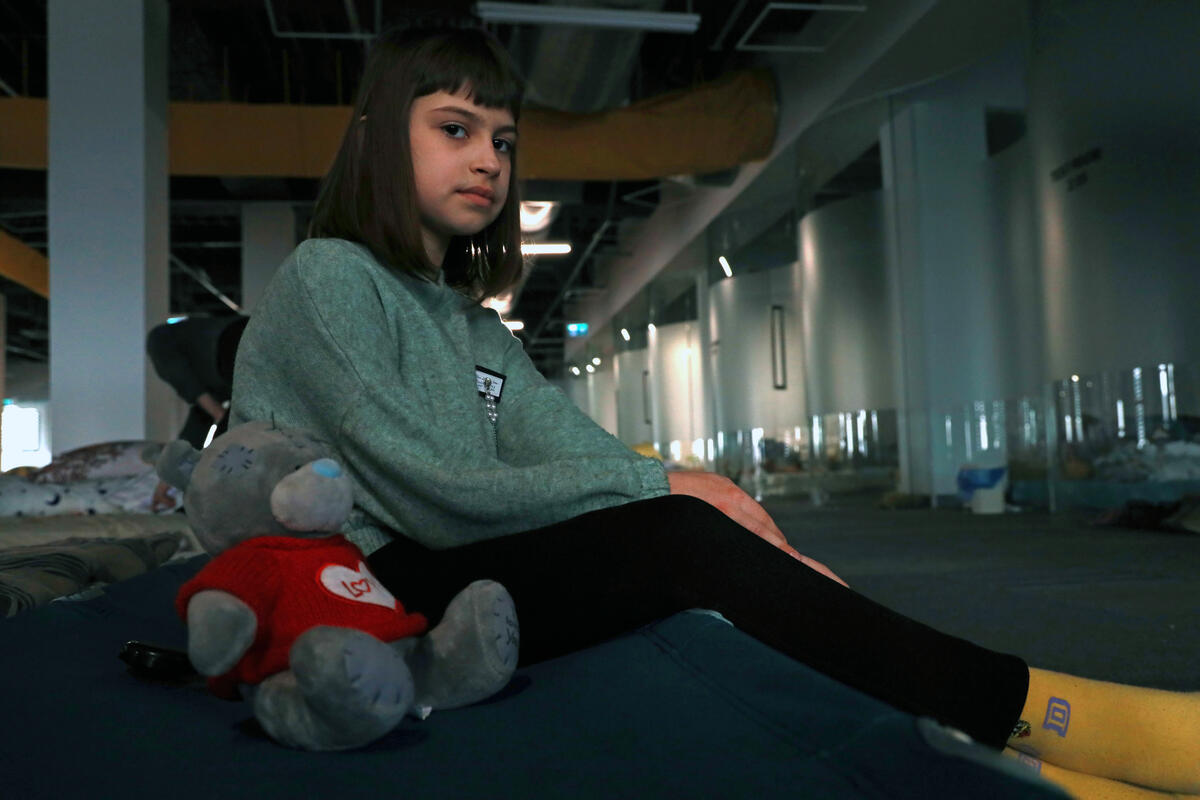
(799, 27)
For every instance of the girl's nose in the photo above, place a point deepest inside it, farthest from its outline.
(487, 161)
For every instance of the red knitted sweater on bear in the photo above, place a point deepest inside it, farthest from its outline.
(292, 585)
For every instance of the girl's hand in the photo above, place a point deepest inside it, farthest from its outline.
(723, 494)
(162, 500)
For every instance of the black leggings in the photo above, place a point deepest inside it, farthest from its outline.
(602, 574)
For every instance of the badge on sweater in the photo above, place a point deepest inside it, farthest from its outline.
(359, 585)
(488, 383)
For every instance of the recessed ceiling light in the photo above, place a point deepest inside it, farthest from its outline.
(536, 215)
(545, 248)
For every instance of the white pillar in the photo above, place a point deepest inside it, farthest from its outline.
(108, 217)
(705, 356)
(602, 397)
(268, 237)
(943, 289)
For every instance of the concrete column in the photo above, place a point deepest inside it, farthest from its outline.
(602, 397)
(706, 357)
(108, 217)
(942, 287)
(268, 237)
(631, 375)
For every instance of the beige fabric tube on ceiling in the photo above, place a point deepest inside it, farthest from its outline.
(710, 127)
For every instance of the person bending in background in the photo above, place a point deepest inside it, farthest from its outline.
(195, 356)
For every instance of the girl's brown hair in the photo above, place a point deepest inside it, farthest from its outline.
(369, 194)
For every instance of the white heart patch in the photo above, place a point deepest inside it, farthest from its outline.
(357, 585)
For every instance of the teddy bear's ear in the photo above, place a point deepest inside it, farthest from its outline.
(176, 462)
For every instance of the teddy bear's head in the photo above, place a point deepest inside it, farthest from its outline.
(258, 480)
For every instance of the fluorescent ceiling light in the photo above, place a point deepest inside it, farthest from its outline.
(545, 248)
(596, 360)
(625, 334)
(651, 327)
(725, 266)
(527, 13)
(590, 368)
(536, 216)
(515, 325)
(574, 370)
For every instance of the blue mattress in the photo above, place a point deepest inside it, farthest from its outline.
(687, 707)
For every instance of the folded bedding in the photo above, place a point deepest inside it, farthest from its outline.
(689, 706)
(21, 531)
(35, 575)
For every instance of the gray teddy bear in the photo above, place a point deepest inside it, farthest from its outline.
(288, 615)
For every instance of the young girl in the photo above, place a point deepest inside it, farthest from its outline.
(468, 464)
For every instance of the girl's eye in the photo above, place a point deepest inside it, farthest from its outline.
(454, 130)
(502, 145)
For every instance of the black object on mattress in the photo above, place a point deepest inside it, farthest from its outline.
(688, 707)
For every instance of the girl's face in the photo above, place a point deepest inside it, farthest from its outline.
(462, 158)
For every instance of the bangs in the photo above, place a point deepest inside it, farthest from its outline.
(472, 62)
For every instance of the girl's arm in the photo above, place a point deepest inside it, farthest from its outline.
(335, 349)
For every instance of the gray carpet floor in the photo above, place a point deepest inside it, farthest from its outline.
(1107, 603)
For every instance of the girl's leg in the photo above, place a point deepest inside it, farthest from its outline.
(605, 573)
(1147, 737)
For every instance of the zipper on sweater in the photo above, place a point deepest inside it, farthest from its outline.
(492, 412)
(490, 384)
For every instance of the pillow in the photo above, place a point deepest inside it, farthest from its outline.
(34, 575)
(104, 460)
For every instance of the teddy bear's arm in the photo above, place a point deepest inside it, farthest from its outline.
(221, 629)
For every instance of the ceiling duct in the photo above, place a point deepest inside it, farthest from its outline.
(581, 69)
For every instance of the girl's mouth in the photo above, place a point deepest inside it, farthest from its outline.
(479, 195)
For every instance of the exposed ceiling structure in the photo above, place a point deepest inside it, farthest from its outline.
(310, 52)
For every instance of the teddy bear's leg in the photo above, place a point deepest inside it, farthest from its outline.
(345, 689)
(471, 654)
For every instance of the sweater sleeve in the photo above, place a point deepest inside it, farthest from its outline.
(415, 470)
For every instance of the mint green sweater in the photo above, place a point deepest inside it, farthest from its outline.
(384, 367)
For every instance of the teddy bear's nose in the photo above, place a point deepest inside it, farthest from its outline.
(327, 468)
